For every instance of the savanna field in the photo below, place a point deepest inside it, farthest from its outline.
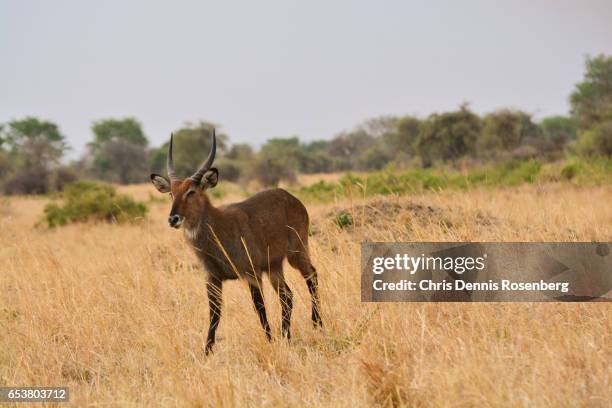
(119, 313)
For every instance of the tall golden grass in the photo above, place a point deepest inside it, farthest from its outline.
(119, 313)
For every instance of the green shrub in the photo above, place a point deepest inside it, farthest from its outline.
(570, 170)
(596, 141)
(595, 171)
(320, 191)
(521, 172)
(89, 201)
(343, 219)
(592, 171)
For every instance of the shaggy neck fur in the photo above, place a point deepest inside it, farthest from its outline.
(195, 228)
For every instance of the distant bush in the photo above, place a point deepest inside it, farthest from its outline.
(89, 201)
(34, 180)
(230, 170)
(321, 190)
(269, 171)
(6, 165)
(596, 141)
(515, 172)
(374, 158)
(63, 176)
(595, 171)
(448, 136)
(38, 180)
(570, 170)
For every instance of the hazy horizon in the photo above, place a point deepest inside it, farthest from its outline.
(278, 69)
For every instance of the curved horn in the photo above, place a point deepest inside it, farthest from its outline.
(197, 176)
(169, 162)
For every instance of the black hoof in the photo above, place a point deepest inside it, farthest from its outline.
(208, 349)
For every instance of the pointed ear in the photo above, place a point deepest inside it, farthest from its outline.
(161, 183)
(210, 178)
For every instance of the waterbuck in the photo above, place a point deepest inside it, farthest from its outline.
(241, 240)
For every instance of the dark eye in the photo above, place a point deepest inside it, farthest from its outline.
(189, 193)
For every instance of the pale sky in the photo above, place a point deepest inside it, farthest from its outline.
(266, 69)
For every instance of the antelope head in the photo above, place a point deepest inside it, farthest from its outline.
(188, 195)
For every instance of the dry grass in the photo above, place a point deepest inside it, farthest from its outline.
(119, 313)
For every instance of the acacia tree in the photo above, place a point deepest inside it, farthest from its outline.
(399, 144)
(6, 165)
(346, 148)
(192, 144)
(233, 164)
(119, 150)
(591, 103)
(448, 135)
(591, 99)
(278, 159)
(5, 161)
(34, 148)
(34, 142)
(378, 127)
(270, 170)
(559, 130)
(511, 131)
(317, 158)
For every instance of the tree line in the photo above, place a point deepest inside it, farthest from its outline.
(31, 148)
